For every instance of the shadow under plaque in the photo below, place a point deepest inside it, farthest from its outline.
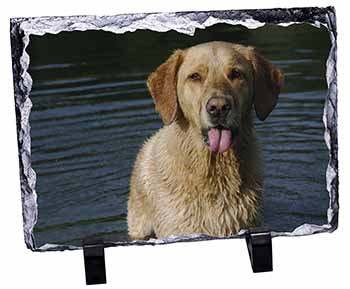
(84, 112)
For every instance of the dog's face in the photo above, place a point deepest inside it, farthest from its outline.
(214, 86)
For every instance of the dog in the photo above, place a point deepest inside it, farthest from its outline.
(201, 173)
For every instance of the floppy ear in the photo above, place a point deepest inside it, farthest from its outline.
(268, 81)
(162, 86)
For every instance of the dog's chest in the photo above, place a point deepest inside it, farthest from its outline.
(218, 209)
(207, 194)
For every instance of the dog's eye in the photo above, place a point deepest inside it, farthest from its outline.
(234, 74)
(195, 76)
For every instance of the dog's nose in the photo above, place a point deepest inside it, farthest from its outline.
(218, 106)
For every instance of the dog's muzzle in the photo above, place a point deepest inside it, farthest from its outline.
(219, 136)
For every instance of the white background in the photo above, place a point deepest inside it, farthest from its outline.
(319, 261)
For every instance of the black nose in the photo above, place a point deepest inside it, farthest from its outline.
(218, 106)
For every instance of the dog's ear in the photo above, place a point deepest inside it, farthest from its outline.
(268, 81)
(162, 86)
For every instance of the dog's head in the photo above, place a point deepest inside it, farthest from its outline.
(213, 87)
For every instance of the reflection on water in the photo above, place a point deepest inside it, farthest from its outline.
(92, 112)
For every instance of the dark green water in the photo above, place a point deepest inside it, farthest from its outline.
(92, 112)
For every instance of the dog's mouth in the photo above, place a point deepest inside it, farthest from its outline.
(219, 138)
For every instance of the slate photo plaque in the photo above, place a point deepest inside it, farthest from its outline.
(169, 127)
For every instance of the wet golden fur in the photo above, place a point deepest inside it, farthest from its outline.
(178, 185)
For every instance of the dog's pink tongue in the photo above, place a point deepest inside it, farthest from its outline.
(225, 141)
(214, 139)
(219, 140)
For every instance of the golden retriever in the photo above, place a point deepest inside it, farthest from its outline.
(201, 173)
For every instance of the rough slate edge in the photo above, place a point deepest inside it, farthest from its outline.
(183, 22)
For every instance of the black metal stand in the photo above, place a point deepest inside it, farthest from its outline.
(94, 260)
(259, 243)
